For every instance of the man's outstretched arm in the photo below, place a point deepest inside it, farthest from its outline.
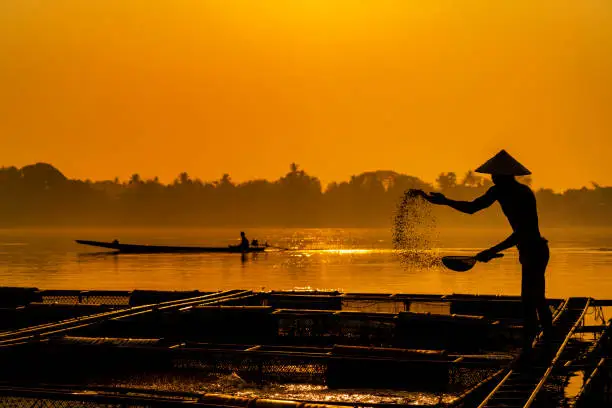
(468, 207)
(487, 254)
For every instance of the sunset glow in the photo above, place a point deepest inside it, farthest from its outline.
(110, 88)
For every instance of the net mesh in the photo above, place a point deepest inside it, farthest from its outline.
(118, 300)
(26, 402)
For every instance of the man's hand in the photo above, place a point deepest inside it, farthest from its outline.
(413, 192)
(435, 198)
(486, 255)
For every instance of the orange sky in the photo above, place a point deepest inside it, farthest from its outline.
(104, 88)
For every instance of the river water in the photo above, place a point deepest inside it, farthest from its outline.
(351, 260)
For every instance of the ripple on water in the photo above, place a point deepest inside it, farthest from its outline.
(234, 385)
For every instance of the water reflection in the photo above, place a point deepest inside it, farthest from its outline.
(234, 385)
(352, 260)
(350, 251)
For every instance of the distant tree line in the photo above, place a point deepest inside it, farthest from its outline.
(40, 195)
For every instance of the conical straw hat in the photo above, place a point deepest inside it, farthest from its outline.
(503, 164)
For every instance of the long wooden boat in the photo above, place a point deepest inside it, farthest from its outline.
(159, 249)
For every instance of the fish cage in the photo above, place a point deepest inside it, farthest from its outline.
(284, 348)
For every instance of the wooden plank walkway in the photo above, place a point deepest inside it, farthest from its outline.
(520, 387)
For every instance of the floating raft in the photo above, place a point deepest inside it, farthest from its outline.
(460, 346)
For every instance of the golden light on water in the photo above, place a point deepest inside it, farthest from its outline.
(349, 251)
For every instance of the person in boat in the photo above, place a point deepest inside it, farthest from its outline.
(244, 241)
(255, 243)
(518, 204)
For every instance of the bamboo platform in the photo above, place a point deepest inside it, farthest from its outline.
(522, 385)
(69, 347)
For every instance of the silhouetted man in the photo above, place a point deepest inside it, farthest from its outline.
(519, 205)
